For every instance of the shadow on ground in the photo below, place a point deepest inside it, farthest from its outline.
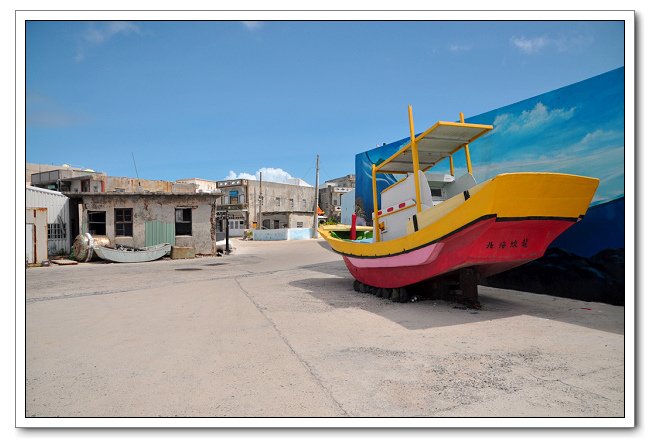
(337, 291)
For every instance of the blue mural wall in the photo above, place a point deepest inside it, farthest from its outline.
(577, 129)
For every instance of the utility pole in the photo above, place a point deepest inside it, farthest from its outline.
(227, 251)
(316, 202)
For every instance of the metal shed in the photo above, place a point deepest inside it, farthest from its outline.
(58, 217)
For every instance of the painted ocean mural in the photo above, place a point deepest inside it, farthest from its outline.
(577, 129)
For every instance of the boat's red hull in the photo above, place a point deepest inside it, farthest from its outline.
(489, 245)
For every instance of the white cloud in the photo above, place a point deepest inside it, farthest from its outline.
(252, 25)
(531, 119)
(269, 175)
(530, 45)
(99, 33)
(561, 42)
(51, 119)
(456, 48)
(599, 136)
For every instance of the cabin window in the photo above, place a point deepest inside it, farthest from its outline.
(183, 221)
(97, 223)
(123, 222)
(436, 192)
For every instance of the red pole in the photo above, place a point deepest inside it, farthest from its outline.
(353, 228)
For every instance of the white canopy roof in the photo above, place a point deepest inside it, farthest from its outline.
(433, 145)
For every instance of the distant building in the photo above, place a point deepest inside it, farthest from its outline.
(74, 180)
(282, 205)
(145, 219)
(34, 168)
(330, 193)
(200, 185)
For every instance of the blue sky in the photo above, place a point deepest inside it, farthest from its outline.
(204, 99)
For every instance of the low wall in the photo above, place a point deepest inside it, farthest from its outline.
(282, 234)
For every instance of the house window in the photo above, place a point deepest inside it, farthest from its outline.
(276, 224)
(234, 197)
(290, 203)
(277, 202)
(304, 204)
(334, 202)
(299, 224)
(266, 224)
(236, 224)
(56, 231)
(97, 223)
(183, 221)
(123, 222)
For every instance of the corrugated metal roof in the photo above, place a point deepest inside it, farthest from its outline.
(44, 190)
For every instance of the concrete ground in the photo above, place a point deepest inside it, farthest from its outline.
(277, 330)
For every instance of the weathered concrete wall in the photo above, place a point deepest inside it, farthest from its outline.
(199, 184)
(303, 197)
(161, 208)
(306, 219)
(95, 185)
(289, 220)
(130, 184)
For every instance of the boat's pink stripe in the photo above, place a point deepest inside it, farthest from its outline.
(415, 258)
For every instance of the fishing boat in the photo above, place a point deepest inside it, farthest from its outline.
(428, 225)
(132, 255)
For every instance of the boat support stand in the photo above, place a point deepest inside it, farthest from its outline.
(460, 287)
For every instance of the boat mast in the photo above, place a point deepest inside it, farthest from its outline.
(469, 161)
(375, 220)
(416, 162)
